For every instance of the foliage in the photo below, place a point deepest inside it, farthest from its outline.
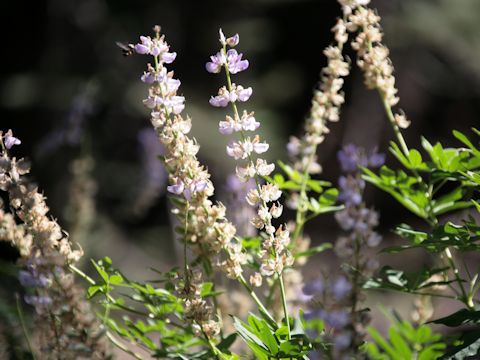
(405, 342)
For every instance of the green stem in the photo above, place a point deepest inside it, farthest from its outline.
(284, 303)
(122, 347)
(24, 327)
(464, 298)
(211, 345)
(391, 119)
(255, 298)
(185, 260)
(432, 220)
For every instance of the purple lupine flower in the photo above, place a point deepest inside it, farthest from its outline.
(338, 318)
(314, 287)
(195, 187)
(351, 158)
(169, 57)
(345, 219)
(341, 288)
(144, 46)
(32, 278)
(233, 40)
(249, 123)
(235, 62)
(260, 147)
(172, 85)
(229, 126)
(176, 188)
(293, 146)
(351, 190)
(11, 140)
(375, 159)
(175, 103)
(38, 300)
(342, 341)
(244, 94)
(215, 66)
(149, 77)
(220, 100)
(153, 101)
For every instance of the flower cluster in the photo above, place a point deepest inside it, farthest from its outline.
(331, 301)
(359, 222)
(326, 103)
(188, 178)
(203, 223)
(46, 252)
(275, 255)
(197, 311)
(373, 57)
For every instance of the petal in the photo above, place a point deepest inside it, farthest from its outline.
(244, 94)
(155, 51)
(225, 127)
(169, 57)
(233, 40)
(213, 68)
(218, 101)
(260, 148)
(176, 188)
(142, 49)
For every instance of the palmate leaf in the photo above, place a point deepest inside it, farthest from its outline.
(268, 343)
(407, 190)
(408, 282)
(460, 317)
(464, 237)
(404, 342)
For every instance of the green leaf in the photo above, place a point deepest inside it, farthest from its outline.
(383, 343)
(116, 279)
(460, 317)
(100, 270)
(399, 344)
(247, 334)
(225, 344)
(268, 338)
(450, 202)
(466, 141)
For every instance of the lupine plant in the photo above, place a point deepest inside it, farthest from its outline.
(185, 313)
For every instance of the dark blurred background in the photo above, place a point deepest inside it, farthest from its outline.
(75, 102)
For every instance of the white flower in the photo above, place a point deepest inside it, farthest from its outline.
(245, 173)
(270, 192)
(229, 126)
(276, 210)
(253, 198)
(263, 168)
(248, 122)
